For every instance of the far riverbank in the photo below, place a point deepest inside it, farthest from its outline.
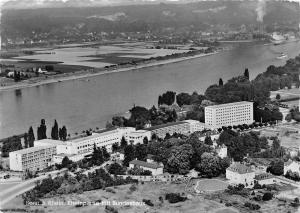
(95, 72)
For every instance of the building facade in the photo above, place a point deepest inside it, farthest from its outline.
(138, 136)
(185, 127)
(238, 173)
(32, 159)
(265, 179)
(230, 114)
(155, 168)
(84, 146)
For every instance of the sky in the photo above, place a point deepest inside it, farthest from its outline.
(102, 1)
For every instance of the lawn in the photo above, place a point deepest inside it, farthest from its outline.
(210, 185)
(150, 191)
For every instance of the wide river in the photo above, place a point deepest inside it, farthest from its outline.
(83, 104)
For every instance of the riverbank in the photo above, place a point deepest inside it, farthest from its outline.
(94, 72)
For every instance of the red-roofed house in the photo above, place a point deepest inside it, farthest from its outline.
(238, 173)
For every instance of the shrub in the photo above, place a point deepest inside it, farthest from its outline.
(110, 190)
(148, 202)
(161, 199)
(257, 198)
(110, 209)
(267, 196)
(228, 204)
(133, 188)
(252, 206)
(175, 198)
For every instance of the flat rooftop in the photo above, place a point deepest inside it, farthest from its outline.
(229, 104)
(49, 142)
(165, 125)
(94, 135)
(33, 149)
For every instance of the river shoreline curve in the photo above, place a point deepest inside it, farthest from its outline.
(79, 75)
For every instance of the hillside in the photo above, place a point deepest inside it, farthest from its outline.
(213, 15)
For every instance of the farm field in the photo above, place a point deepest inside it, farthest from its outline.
(93, 56)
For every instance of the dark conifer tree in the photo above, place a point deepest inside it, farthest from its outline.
(42, 130)
(64, 133)
(220, 82)
(26, 142)
(54, 131)
(246, 73)
(31, 137)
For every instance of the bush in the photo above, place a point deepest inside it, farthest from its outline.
(133, 188)
(252, 206)
(148, 202)
(175, 198)
(110, 190)
(267, 196)
(228, 204)
(110, 209)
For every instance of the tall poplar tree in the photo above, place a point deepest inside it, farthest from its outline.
(31, 137)
(54, 131)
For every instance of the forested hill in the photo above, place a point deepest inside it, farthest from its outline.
(216, 15)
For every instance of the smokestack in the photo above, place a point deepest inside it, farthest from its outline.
(261, 10)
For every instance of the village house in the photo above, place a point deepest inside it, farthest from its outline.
(264, 179)
(155, 168)
(238, 173)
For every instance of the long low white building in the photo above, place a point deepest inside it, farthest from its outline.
(80, 147)
(185, 127)
(33, 159)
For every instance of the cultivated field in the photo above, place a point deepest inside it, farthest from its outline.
(96, 56)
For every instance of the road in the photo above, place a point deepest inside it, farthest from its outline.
(22, 187)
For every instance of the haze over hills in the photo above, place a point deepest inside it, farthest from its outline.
(150, 16)
(22, 4)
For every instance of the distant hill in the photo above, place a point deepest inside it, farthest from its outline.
(201, 15)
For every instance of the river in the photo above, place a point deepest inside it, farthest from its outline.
(90, 103)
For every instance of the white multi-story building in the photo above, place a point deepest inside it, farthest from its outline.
(181, 127)
(33, 159)
(138, 136)
(237, 113)
(85, 145)
(238, 173)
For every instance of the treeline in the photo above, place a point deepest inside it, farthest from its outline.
(241, 145)
(10, 145)
(140, 116)
(14, 143)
